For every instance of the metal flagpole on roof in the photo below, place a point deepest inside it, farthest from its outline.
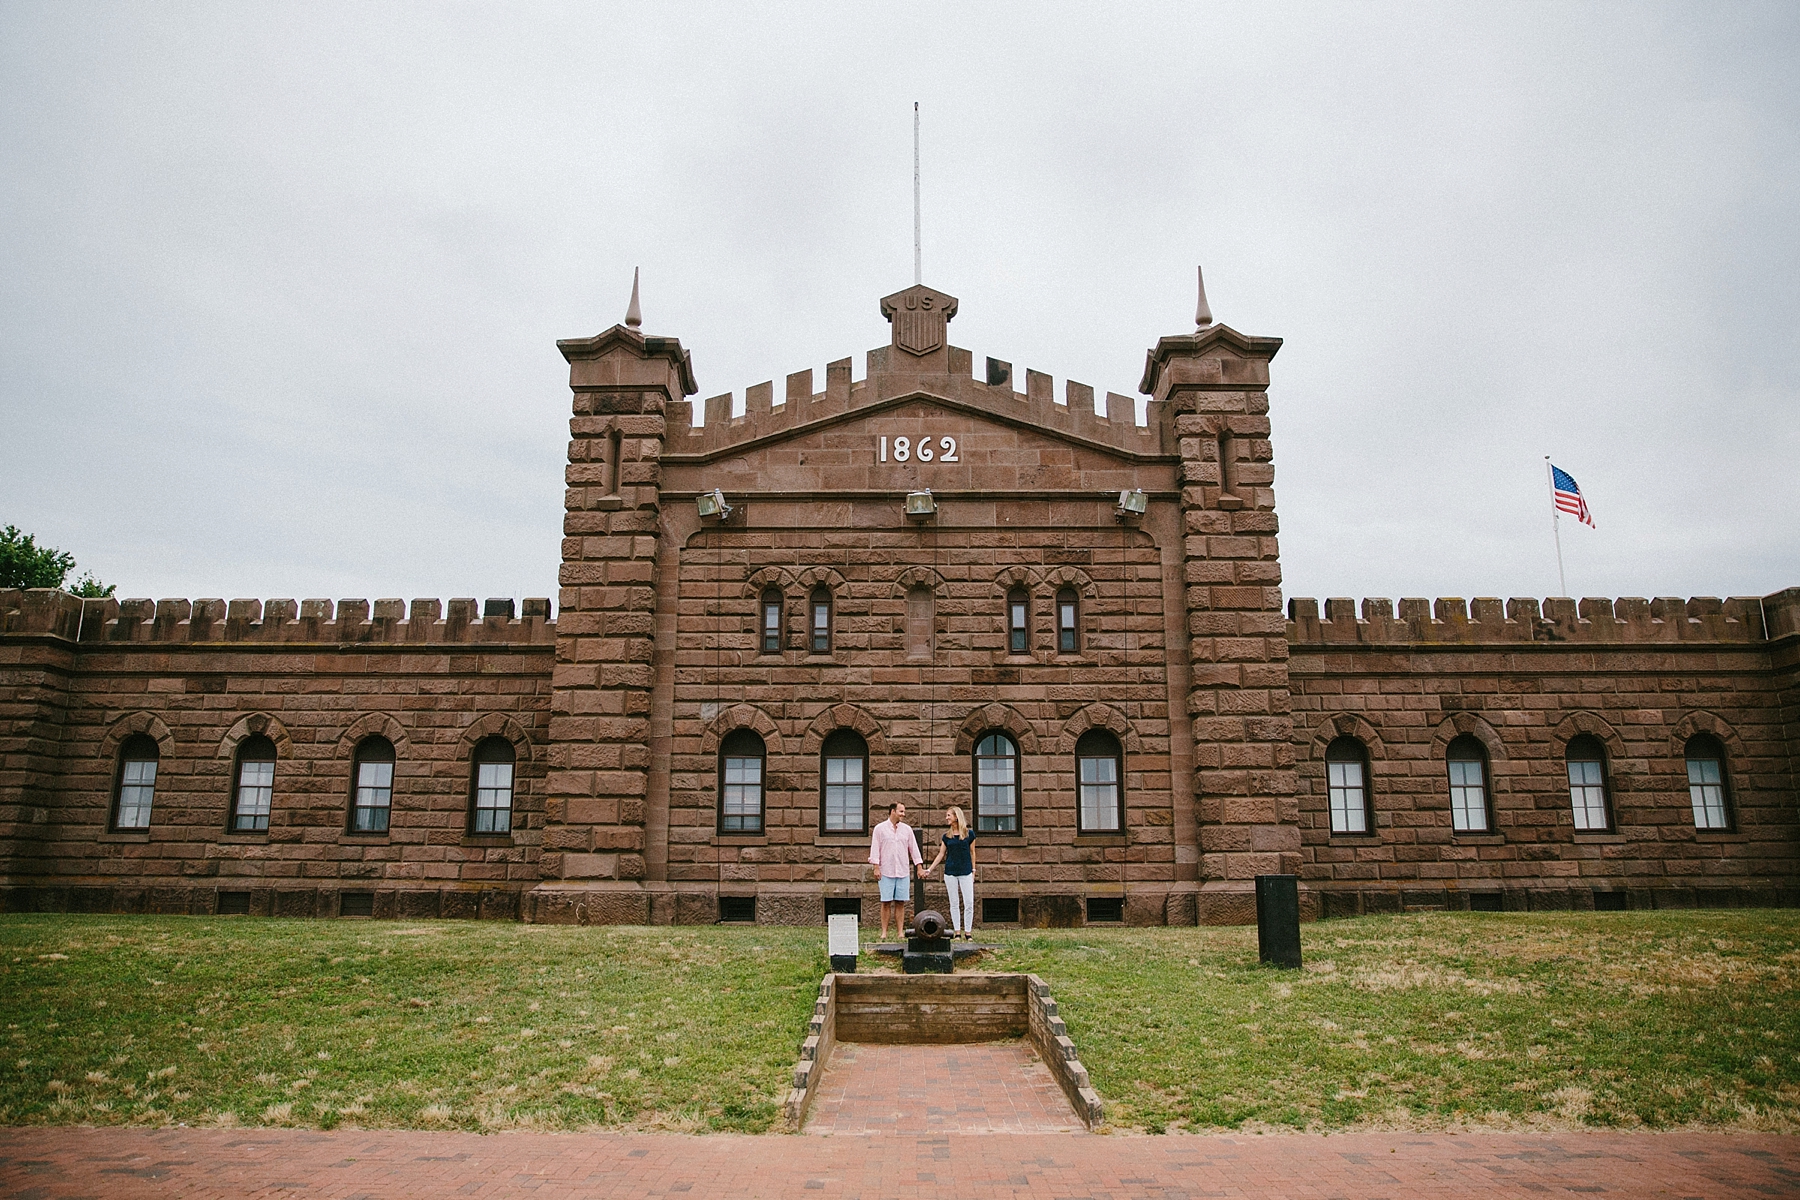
(918, 260)
(1555, 525)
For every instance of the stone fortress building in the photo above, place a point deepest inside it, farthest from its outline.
(922, 584)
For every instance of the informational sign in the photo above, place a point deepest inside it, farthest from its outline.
(841, 937)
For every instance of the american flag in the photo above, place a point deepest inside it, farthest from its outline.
(1568, 495)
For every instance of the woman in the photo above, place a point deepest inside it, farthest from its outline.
(957, 853)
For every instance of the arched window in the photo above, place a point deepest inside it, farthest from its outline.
(741, 782)
(1468, 785)
(996, 784)
(1018, 622)
(1587, 784)
(1347, 782)
(1707, 786)
(843, 783)
(490, 808)
(819, 610)
(771, 622)
(1068, 630)
(372, 795)
(135, 788)
(253, 787)
(1100, 778)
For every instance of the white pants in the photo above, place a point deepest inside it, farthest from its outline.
(962, 902)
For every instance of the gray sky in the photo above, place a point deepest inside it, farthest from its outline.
(281, 283)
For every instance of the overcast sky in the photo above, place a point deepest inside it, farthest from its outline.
(280, 284)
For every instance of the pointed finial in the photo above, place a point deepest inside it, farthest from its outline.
(634, 316)
(1202, 314)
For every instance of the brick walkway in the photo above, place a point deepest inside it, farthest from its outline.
(997, 1087)
(41, 1164)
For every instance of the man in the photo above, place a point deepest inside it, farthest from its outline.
(895, 853)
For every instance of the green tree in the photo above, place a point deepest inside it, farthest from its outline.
(25, 564)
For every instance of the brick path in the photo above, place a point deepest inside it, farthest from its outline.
(41, 1164)
(997, 1087)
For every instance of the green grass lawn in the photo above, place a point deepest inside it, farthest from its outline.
(1653, 1020)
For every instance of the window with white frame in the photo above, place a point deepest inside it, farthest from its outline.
(373, 798)
(741, 782)
(1100, 776)
(996, 784)
(492, 807)
(253, 790)
(136, 790)
(1587, 784)
(1706, 782)
(1347, 782)
(844, 796)
(1468, 785)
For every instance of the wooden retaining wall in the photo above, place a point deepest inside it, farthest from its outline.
(918, 1009)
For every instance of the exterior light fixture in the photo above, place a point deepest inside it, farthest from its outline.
(712, 504)
(1132, 504)
(920, 505)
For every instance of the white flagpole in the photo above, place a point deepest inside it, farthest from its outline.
(1555, 526)
(918, 262)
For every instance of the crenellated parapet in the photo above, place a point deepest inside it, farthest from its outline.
(57, 614)
(1486, 620)
(919, 360)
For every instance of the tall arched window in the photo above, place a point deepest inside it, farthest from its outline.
(372, 793)
(1708, 788)
(843, 783)
(1068, 628)
(1587, 784)
(253, 785)
(996, 784)
(135, 789)
(1347, 782)
(819, 620)
(491, 805)
(741, 782)
(1018, 622)
(770, 629)
(1468, 785)
(1100, 778)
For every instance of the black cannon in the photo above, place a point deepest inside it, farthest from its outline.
(928, 950)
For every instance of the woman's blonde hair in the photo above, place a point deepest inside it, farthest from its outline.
(962, 826)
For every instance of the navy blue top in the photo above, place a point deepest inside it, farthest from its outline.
(956, 854)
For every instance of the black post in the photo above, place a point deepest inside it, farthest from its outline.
(1278, 919)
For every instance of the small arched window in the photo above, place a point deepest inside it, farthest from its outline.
(741, 782)
(1018, 622)
(769, 630)
(1587, 784)
(819, 620)
(135, 789)
(1068, 628)
(253, 785)
(843, 783)
(1708, 788)
(1468, 785)
(372, 794)
(490, 809)
(1347, 781)
(1100, 778)
(996, 784)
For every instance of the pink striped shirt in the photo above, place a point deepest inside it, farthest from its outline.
(891, 847)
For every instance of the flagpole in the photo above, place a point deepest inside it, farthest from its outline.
(1555, 527)
(918, 270)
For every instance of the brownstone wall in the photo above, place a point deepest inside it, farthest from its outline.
(1641, 676)
(316, 678)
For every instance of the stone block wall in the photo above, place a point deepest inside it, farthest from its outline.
(315, 677)
(1641, 676)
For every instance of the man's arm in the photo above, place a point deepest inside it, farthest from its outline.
(875, 846)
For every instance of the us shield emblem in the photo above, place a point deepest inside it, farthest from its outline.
(919, 315)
